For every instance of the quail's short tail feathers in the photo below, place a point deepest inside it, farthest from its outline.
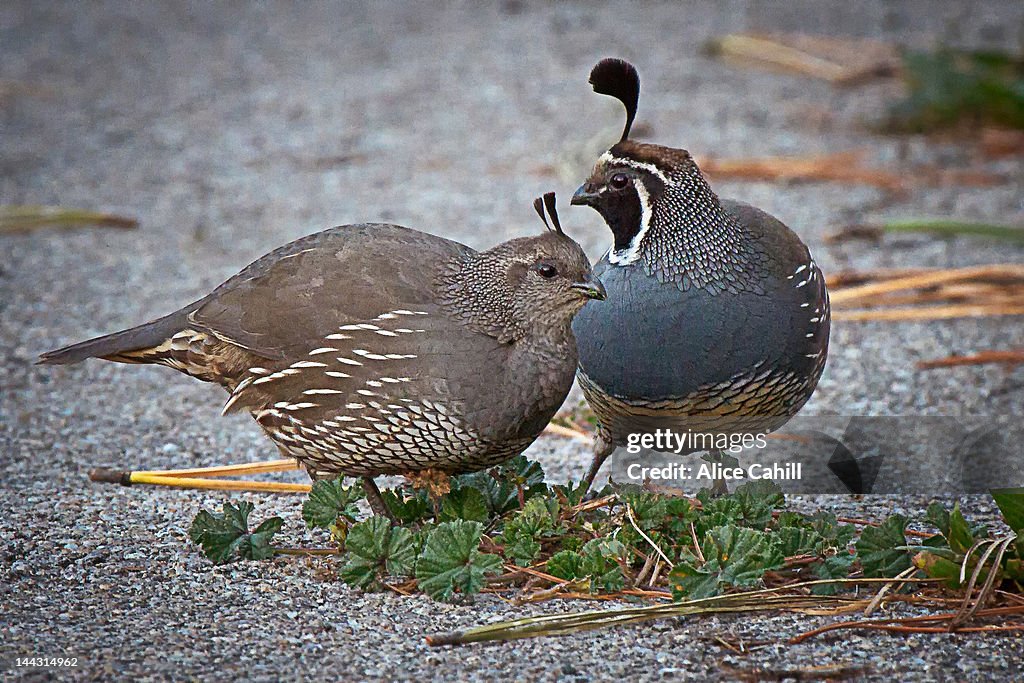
(111, 346)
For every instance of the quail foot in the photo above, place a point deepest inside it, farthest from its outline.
(717, 318)
(374, 349)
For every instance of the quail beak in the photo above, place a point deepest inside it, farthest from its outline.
(586, 195)
(591, 288)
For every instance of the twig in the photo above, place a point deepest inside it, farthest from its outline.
(561, 430)
(927, 279)
(281, 465)
(134, 478)
(877, 600)
(903, 624)
(25, 218)
(632, 521)
(928, 313)
(749, 601)
(1005, 357)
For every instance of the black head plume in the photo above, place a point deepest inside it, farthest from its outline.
(618, 78)
(548, 202)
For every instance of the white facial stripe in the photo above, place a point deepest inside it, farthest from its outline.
(638, 165)
(630, 254)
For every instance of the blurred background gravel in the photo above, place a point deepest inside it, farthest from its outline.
(229, 129)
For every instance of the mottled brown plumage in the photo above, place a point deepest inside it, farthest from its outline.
(375, 349)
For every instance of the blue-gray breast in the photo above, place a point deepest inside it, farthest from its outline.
(717, 317)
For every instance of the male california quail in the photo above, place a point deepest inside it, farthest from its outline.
(717, 318)
(375, 349)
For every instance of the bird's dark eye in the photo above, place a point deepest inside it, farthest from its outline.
(619, 181)
(547, 270)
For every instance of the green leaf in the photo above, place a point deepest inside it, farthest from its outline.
(960, 536)
(407, 506)
(522, 533)
(573, 492)
(566, 564)
(649, 509)
(451, 560)
(734, 556)
(1011, 504)
(832, 567)
(796, 541)
(375, 548)
(225, 536)
(329, 500)
(500, 485)
(466, 503)
(936, 566)
(938, 516)
(879, 548)
(600, 561)
(750, 505)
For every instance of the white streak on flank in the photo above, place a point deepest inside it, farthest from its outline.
(800, 269)
(329, 423)
(402, 311)
(811, 355)
(301, 406)
(338, 336)
(348, 361)
(386, 333)
(373, 383)
(801, 284)
(389, 380)
(385, 316)
(264, 380)
(367, 354)
(630, 254)
(338, 375)
(322, 349)
(349, 418)
(258, 371)
(351, 328)
(806, 305)
(790, 277)
(814, 320)
(308, 364)
(399, 356)
(231, 401)
(403, 330)
(809, 334)
(314, 392)
(294, 371)
(365, 392)
(354, 406)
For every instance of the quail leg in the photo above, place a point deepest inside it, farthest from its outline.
(719, 487)
(376, 501)
(603, 447)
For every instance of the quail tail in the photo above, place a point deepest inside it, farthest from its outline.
(109, 346)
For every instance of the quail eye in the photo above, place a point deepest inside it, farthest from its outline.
(619, 181)
(547, 270)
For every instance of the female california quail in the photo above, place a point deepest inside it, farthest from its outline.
(717, 318)
(375, 349)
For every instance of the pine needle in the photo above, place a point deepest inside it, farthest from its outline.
(23, 218)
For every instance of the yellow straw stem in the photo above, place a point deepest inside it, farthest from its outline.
(217, 484)
(281, 465)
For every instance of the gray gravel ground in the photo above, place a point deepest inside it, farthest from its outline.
(229, 129)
